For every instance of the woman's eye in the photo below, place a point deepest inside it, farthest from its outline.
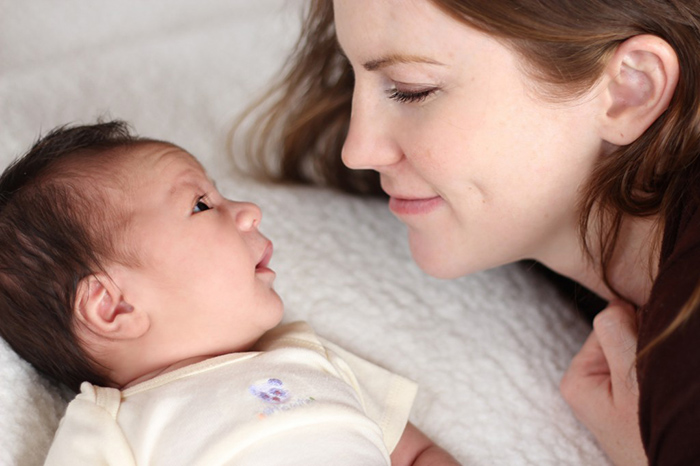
(200, 206)
(406, 97)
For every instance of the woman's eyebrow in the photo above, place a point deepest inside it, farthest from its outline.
(393, 59)
(374, 65)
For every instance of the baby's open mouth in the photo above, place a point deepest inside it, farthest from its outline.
(267, 255)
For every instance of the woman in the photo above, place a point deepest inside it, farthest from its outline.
(564, 132)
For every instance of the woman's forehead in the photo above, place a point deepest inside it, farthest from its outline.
(376, 31)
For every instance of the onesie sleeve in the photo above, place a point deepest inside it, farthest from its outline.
(386, 397)
(88, 434)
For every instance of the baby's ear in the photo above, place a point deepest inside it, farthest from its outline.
(638, 84)
(101, 308)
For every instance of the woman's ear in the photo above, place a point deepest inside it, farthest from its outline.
(101, 308)
(639, 82)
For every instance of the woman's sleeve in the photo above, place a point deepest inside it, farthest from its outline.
(669, 377)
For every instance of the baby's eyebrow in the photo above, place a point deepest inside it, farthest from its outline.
(185, 180)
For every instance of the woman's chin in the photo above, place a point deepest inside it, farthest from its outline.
(437, 263)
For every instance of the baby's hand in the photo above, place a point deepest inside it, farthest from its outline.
(415, 449)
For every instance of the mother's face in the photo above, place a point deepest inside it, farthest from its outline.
(481, 170)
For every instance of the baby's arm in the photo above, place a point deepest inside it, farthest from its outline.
(415, 449)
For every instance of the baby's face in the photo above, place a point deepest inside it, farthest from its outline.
(202, 274)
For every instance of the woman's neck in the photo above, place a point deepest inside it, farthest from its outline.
(632, 270)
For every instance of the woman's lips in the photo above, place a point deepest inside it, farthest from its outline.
(416, 206)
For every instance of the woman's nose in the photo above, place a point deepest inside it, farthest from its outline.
(247, 215)
(370, 143)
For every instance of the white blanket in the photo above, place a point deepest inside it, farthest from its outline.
(487, 350)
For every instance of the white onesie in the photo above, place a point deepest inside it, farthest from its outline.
(295, 400)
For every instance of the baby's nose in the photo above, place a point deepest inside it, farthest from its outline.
(248, 215)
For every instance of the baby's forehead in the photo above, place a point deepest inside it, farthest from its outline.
(163, 168)
(124, 165)
(148, 179)
(159, 156)
(153, 162)
(141, 169)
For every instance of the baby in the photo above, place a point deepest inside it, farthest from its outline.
(125, 275)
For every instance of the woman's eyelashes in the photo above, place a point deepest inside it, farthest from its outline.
(410, 97)
(201, 205)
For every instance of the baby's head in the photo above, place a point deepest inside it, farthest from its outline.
(119, 259)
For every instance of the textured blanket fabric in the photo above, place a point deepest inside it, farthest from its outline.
(487, 350)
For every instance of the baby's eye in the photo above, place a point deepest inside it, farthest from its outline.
(200, 206)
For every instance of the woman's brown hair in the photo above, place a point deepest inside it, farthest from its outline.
(299, 127)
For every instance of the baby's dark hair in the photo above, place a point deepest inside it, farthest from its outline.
(57, 227)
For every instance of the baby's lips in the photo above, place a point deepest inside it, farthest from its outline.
(267, 255)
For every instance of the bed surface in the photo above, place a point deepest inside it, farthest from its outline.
(487, 350)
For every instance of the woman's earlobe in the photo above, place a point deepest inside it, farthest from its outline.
(639, 82)
(101, 308)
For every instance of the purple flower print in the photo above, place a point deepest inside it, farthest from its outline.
(270, 391)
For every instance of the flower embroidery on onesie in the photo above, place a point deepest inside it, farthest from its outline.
(276, 396)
